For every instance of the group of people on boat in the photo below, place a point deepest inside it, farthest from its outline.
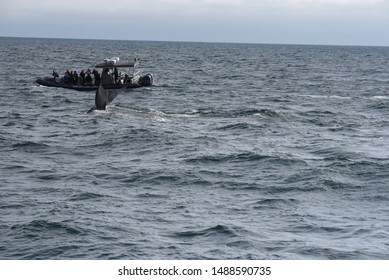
(85, 78)
(90, 78)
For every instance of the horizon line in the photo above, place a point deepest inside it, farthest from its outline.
(190, 41)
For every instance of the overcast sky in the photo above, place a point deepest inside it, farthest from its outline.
(329, 22)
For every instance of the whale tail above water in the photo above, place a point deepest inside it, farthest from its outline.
(103, 97)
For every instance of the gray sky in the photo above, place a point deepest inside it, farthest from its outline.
(329, 22)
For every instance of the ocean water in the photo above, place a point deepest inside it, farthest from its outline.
(238, 151)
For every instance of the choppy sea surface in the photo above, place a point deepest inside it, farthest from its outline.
(238, 151)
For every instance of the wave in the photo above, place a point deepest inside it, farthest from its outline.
(218, 231)
(343, 184)
(336, 154)
(318, 113)
(380, 97)
(238, 126)
(30, 146)
(221, 158)
(275, 203)
(237, 113)
(152, 195)
(316, 252)
(38, 227)
(244, 157)
(325, 96)
(87, 196)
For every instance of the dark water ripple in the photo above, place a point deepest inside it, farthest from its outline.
(237, 152)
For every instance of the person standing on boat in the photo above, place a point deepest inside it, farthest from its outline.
(66, 78)
(125, 79)
(97, 77)
(82, 77)
(106, 78)
(72, 77)
(88, 80)
(75, 77)
(116, 75)
(56, 76)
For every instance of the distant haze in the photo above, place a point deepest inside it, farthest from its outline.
(328, 22)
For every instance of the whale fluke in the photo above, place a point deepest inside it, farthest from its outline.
(103, 97)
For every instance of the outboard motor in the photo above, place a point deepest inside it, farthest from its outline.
(146, 80)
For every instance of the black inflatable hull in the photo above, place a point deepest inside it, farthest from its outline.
(144, 81)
